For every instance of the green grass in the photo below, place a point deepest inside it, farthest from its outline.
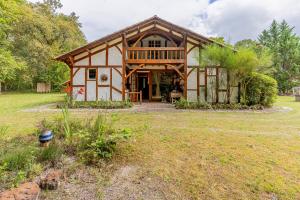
(205, 155)
(13, 122)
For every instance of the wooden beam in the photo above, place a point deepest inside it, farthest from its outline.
(138, 40)
(206, 84)
(198, 83)
(123, 65)
(134, 69)
(110, 71)
(177, 70)
(217, 85)
(185, 65)
(228, 86)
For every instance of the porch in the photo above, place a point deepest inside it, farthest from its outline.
(154, 85)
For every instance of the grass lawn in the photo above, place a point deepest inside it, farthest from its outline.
(204, 155)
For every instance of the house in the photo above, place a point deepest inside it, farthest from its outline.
(153, 59)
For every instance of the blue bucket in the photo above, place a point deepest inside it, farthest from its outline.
(46, 136)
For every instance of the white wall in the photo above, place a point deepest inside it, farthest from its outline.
(91, 91)
(155, 37)
(103, 93)
(192, 57)
(99, 58)
(79, 77)
(83, 62)
(114, 56)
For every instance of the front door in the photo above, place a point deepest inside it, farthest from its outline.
(143, 85)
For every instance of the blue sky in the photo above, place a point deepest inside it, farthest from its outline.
(232, 19)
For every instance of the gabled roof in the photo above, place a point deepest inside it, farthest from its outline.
(153, 20)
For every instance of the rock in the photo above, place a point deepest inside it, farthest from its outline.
(51, 181)
(28, 191)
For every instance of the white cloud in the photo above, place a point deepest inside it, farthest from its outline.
(232, 19)
(240, 19)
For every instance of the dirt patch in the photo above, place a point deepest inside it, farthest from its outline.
(131, 183)
(81, 183)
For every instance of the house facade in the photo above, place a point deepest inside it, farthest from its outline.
(153, 60)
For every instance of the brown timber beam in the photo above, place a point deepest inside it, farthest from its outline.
(185, 66)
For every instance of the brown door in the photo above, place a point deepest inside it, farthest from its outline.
(143, 85)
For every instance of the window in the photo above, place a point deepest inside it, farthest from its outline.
(154, 43)
(92, 74)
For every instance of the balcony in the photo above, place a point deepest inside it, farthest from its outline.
(155, 55)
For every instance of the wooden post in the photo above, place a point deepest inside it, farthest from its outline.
(141, 96)
(206, 84)
(228, 87)
(71, 75)
(123, 66)
(217, 84)
(185, 66)
(198, 76)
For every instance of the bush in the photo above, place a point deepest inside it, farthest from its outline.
(21, 159)
(184, 104)
(99, 140)
(260, 90)
(99, 104)
(91, 139)
(51, 154)
(16, 166)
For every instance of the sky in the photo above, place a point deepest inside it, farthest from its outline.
(232, 19)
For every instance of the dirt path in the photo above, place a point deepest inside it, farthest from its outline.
(130, 183)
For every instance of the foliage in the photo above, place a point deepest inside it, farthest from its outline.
(91, 139)
(284, 45)
(214, 55)
(263, 54)
(239, 63)
(100, 140)
(51, 154)
(101, 104)
(32, 34)
(17, 165)
(184, 104)
(9, 66)
(66, 123)
(21, 159)
(261, 89)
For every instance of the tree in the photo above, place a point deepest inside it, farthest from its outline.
(8, 66)
(33, 34)
(264, 55)
(239, 63)
(284, 45)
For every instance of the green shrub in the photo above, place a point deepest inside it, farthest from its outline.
(185, 104)
(91, 138)
(100, 139)
(99, 104)
(20, 159)
(260, 90)
(51, 154)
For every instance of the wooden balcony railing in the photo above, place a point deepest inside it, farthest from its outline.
(155, 55)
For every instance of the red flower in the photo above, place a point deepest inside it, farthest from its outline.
(68, 90)
(81, 91)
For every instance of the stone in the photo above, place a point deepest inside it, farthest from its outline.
(28, 191)
(51, 181)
